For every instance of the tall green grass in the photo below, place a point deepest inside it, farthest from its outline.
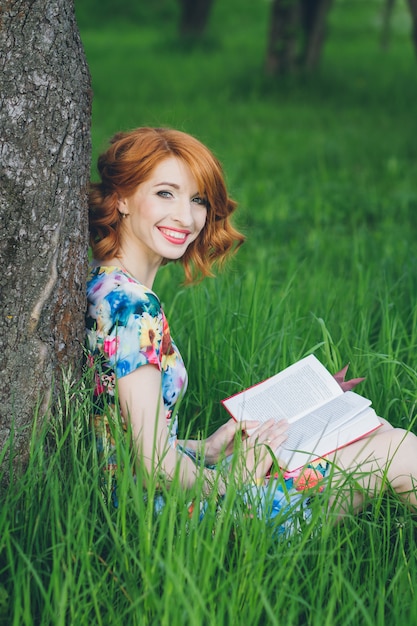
(324, 169)
(68, 557)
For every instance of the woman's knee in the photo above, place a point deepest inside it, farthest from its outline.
(402, 464)
(403, 441)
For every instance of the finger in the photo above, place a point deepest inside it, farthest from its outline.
(277, 428)
(275, 440)
(272, 435)
(245, 424)
(264, 426)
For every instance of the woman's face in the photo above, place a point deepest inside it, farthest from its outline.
(164, 215)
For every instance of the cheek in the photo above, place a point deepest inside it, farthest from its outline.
(201, 220)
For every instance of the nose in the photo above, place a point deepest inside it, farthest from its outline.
(184, 212)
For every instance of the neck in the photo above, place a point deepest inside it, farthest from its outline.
(144, 275)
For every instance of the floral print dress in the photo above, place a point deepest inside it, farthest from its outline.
(126, 328)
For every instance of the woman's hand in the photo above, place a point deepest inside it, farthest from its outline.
(222, 441)
(257, 448)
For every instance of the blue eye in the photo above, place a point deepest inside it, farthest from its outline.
(164, 194)
(200, 200)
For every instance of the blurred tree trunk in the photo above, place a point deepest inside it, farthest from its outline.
(296, 36)
(283, 35)
(413, 10)
(44, 171)
(386, 22)
(194, 17)
(314, 14)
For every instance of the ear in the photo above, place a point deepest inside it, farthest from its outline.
(122, 206)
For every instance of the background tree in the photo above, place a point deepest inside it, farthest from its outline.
(194, 17)
(296, 36)
(413, 10)
(45, 158)
(386, 22)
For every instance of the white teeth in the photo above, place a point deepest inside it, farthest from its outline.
(173, 233)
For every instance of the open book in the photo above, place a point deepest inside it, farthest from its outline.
(322, 418)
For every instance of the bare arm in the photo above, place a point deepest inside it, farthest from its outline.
(141, 403)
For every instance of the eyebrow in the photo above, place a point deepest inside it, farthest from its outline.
(169, 185)
(174, 185)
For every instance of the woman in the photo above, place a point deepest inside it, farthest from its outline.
(162, 197)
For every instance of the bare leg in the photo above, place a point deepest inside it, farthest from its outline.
(366, 467)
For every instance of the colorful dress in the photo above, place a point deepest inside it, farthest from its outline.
(127, 328)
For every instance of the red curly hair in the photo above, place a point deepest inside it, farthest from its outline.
(129, 161)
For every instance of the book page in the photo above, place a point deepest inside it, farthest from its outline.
(292, 393)
(325, 420)
(326, 443)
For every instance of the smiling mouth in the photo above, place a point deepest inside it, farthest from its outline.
(175, 236)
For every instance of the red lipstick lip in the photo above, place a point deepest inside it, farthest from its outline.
(165, 230)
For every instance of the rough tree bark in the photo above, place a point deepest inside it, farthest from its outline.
(194, 17)
(45, 103)
(296, 35)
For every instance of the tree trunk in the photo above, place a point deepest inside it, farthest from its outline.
(282, 52)
(386, 23)
(314, 14)
(44, 171)
(296, 35)
(413, 10)
(194, 17)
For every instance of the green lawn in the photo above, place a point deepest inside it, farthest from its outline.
(324, 169)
